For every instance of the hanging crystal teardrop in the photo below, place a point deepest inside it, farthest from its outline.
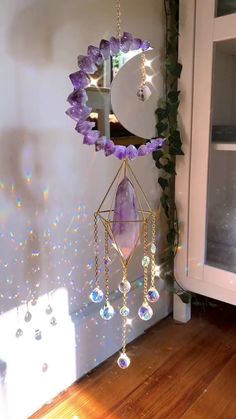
(153, 249)
(123, 361)
(96, 295)
(145, 312)
(153, 295)
(144, 93)
(124, 311)
(124, 286)
(145, 261)
(107, 311)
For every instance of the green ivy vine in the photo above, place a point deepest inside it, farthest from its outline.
(165, 160)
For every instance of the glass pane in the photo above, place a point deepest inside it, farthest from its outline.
(221, 225)
(226, 7)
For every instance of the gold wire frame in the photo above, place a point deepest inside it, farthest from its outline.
(144, 209)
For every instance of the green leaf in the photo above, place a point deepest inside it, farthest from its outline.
(163, 182)
(161, 127)
(164, 203)
(161, 114)
(159, 165)
(174, 69)
(173, 96)
(157, 154)
(170, 167)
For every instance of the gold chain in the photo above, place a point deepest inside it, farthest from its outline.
(106, 264)
(153, 261)
(96, 248)
(118, 19)
(145, 269)
(143, 70)
(124, 304)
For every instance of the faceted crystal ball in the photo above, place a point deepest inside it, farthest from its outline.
(123, 361)
(96, 295)
(124, 311)
(107, 311)
(124, 286)
(145, 312)
(153, 295)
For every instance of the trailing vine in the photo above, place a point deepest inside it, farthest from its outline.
(165, 160)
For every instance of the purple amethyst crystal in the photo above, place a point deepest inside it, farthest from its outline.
(91, 137)
(142, 151)
(136, 44)
(109, 148)
(114, 46)
(84, 127)
(126, 41)
(79, 113)
(131, 152)
(86, 64)
(120, 152)
(78, 96)
(145, 45)
(80, 80)
(125, 226)
(100, 143)
(105, 48)
(95, 54)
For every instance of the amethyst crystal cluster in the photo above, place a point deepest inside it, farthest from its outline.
(80, 112)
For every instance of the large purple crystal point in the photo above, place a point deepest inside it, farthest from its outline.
(125, 226)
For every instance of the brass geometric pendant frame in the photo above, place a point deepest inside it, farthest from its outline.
(105, 211)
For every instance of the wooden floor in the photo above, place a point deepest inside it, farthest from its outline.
(177, 371)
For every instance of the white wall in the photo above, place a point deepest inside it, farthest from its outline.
(50, 185)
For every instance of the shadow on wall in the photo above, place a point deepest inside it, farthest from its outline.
(44, 229)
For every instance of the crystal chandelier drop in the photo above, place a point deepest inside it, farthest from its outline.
(125, 215)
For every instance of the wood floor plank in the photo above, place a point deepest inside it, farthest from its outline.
(175, 368)
(219, 398)
(147, 352)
